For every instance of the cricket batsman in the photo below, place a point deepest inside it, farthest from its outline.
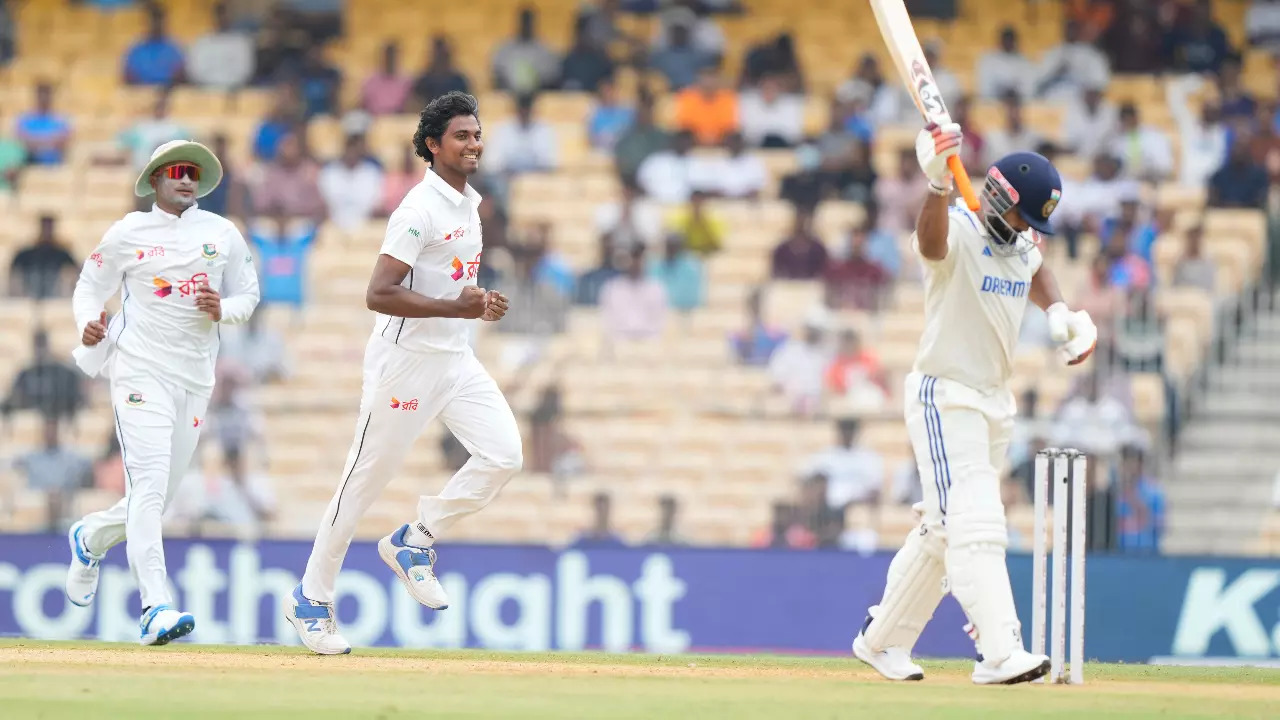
(980, 269)
(418, 366)
(181, 272)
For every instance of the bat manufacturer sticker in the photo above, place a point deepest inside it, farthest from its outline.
(927, 90)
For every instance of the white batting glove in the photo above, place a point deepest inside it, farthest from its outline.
(934, 145)
(1074, 333)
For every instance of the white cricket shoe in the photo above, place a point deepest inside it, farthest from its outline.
(82, 575)
(415, 568)
(1019, 667)
(162, 624)
(893, 663)
(316, 623)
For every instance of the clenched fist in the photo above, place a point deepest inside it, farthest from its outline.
(495, 306)
(934, 145)
(208, 300)
(472, 302)
(95, 331)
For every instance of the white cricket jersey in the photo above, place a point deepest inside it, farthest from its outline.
(436, 232)
(974, 302)
(156, 261)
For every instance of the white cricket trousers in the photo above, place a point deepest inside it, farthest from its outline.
(960, 436)
(158, 425)
(403, 391)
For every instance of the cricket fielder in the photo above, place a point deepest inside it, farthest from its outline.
(980, 269)
(418, 365)
(181, 271)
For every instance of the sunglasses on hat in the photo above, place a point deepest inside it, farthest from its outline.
(177, 172)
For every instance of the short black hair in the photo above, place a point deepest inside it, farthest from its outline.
(437, 115)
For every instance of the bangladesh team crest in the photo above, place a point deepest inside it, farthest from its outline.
(134, 399)
(210, 251)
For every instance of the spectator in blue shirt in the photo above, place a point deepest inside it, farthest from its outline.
(1142, 231)
(589, 284)
(1241, 183)
(1199, 46)
(283, 118)
(549, 266)
(680, 272)
(755, 344)
(319, 82)
(610, 119)
(680, 61)
(1139, 508)
(282, 251)
(42, 131)
(157, 60)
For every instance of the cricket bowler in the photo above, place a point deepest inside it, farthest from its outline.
(419, 365)
(980, 269)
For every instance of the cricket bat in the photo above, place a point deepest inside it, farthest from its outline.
(908, 57)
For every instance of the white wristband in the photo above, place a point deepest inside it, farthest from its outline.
(939, 191)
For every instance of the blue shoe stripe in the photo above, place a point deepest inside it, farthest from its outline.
(304, 609)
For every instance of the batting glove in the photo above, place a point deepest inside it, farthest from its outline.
(1074, 333)
(934, 145)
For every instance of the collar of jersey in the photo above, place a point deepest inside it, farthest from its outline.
(170, 216)
(453, 196)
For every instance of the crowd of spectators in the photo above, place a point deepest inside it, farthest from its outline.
(657, 237)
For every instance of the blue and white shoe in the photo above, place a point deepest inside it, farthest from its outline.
(162, 624)
(82, 575)
(316, 624)
(415, 568)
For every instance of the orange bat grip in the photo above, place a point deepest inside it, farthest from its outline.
(962, 182)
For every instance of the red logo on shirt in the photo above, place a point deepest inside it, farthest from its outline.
(185, 287)
(455, 235)
(153, 252)
(469, 269)
(195, 422)
(408, 405)
(97, 259)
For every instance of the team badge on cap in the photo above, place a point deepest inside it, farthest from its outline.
(1051, 203)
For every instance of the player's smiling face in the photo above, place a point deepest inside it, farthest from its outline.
(460, 146)
(174, 193)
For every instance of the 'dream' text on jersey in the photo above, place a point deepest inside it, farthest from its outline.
(1004, 288)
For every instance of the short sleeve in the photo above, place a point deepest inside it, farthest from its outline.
(407, 234)
(946, 264)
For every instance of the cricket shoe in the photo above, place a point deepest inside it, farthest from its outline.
(162, 624)
(1019, 667)
(893, 663)
(415, 568)
(82, 575)
(316, 623)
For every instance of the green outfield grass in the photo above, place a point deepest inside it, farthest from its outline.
(83, 681)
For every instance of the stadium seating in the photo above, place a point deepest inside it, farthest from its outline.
(674, 416)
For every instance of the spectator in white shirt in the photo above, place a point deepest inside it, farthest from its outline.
(1007, 69)
(351, 186)
(855, 474)
(1014, 136)
(667, 176)
(631, 222)
(704, 32)
(224, 58)
(1097, 198)
(1066, 70)
(633, 306)
(797, 367)
(524, 144)
(147, 134)
(1091, 122)
(524, 64)
(1262, 24)
(1094, 423)
(769, 117)
(1144, 150)
(1203, 139)
(740, 174)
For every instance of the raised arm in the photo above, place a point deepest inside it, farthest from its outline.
(934, 145)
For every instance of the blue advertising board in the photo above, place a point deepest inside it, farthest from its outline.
(1139, 609)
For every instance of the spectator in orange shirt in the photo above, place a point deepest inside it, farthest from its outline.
(854, 365)
(707, 108)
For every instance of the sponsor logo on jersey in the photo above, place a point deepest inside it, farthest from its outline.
(414, 232)
(469, 269)
(210, 251)
(1004, 288)
(195, 422)
(406, 405)
(455, 235)
(135, 399)
(185, 287)
(153, 252)
(96, 258)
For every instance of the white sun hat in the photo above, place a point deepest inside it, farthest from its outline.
(178, 151)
